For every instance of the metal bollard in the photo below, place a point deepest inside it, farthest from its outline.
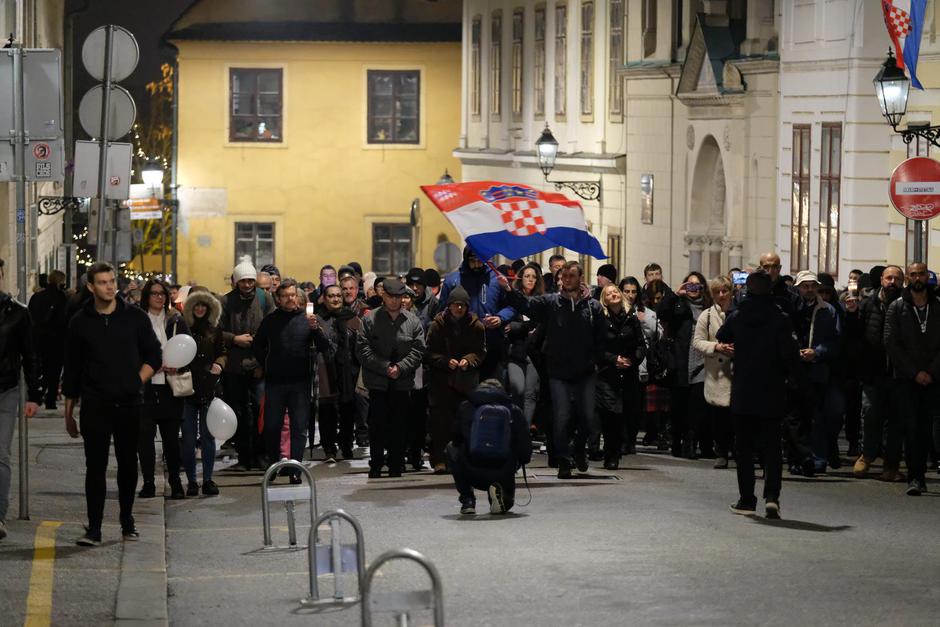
(287, 494)
(336, 558)
(401, 603)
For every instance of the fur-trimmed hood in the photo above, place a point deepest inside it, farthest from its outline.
(205, 298)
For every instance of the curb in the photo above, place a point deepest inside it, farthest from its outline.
(142, 588)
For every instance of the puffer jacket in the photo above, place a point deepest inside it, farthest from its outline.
(17, 349)
(210, 345)
(874, 362)
(717, 365)
(624, 337)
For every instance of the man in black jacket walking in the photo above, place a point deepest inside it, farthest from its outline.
(16, 352)
(765, 354)
(111, 352)
(47, 311)
(912, 340)
(285, 347)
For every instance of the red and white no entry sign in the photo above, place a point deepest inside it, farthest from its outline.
(915, 188)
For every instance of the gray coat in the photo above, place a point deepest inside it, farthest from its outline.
(383, 342)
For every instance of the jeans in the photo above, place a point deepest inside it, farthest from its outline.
(161, 409)
(388, 415)
(524, 387)
(828, 424)
(336, 416)
(194, 425)
(467, 477)
(918, 406)
(100, 421)
(9, 404)
(761, 434)
(578, 395)
(243, 393)
(293, 398)
(882, 426)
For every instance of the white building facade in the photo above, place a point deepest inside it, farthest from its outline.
(687, 113)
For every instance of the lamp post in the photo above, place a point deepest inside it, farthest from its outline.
(152, 174)
(546, 149)
(893, 88)
(446, 178)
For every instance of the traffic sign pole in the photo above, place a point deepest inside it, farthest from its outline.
(103, 150)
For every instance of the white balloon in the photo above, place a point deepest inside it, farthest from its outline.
(221, 420)
(179, 352)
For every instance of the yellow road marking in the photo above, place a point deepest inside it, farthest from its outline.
(39, 601)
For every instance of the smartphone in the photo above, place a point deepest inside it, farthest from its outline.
(853, 287)
(309, 309)
(693, 287)
(739, 278)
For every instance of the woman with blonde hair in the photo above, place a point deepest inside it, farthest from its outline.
(717, 360)
(624, 348)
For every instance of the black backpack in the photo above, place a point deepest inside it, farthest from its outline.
(661, 360)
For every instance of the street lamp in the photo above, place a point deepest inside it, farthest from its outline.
(546, 150)
(446, 178)
(152, 173)
(893, 88)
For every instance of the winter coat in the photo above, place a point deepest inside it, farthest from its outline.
(678, 316)
(717, 365)
(765, 355)
(852, 345)
(286, 346)
(240, 316)
(339, 369)
(17, 349)
(105, 352)
(427, 309)
(523, 338)
(574, 332)
(910, 350)
(383, 342)
(817, 327)
(652, 331)
(623, 338)
(47, 312)
(520, 442)
(486, 299)
(448, 339)
(210, 345)
(874, 361)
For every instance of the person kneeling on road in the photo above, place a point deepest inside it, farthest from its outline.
(490, 442)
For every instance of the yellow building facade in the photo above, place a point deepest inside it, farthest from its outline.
(323, 179)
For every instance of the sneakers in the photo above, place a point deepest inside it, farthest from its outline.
(330, 458)
(916, 487)
(148, 491)
(209, 488)
(294, 480)
(130, 533)
(468, 508)
(92, 537)
(192, 489)
(892, 475)
(3, 530)
(772, 510)
(743, 508)
(497, 506)
(861, 466)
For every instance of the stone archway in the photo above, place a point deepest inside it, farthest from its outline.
(707, 210)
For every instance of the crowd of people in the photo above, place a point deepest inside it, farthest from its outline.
(752, 366)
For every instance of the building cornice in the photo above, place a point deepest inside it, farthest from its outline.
(611, 163)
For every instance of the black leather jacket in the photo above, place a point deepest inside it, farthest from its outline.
(17, 349)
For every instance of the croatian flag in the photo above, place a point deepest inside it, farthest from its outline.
(513, 220)
(905, 22)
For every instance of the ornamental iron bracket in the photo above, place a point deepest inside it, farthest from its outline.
(588, 190)
(51, 205)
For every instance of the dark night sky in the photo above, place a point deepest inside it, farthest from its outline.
(146, 19)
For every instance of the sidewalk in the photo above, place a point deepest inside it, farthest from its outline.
(47, 578)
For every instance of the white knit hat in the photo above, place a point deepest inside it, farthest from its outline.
(244, 270)
(806, 276)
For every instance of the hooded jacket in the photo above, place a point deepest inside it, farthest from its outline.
(210, 345)
(911, 350)
(486, 297)
(765, 355)
(17, 349)
(449, 338)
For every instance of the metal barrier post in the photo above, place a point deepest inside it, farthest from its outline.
(288, 494)
(336, 558)
(401, 603)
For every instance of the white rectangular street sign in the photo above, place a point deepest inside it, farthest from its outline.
(917, 188)
(85, 181)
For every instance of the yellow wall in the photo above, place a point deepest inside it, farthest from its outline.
(324, 185)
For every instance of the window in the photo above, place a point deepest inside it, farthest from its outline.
(615, 84)
(538, 69)
(391, 249)
(561, 60)
(587, 58)
(830, 188)
(475, 66)
(920, 148)
(614, 249)
(256, 105)
(648, 20)
(496, 63)
(517, 24)
(254, 240)
(393, 106)
(799, 210)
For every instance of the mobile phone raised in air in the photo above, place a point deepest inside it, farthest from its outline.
(739, 278)
(853, 286)
(309, 309)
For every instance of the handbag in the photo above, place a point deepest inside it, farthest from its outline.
(181, 384)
